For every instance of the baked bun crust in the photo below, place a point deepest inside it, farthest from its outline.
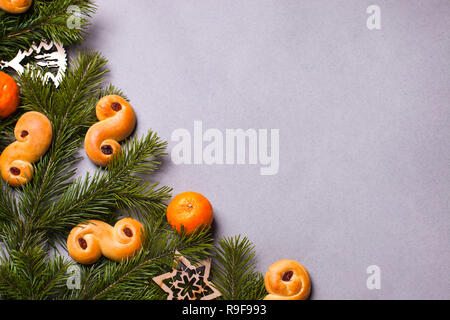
(117, 122)
(287, 280)
(33, 133)
(87, 242)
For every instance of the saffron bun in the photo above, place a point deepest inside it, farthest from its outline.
(287, 280)
(33, 133)
(87, 242)
(116, 122)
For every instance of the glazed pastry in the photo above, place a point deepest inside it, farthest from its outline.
(9, 95)
(117, 122)
(287, 280)
(15, 6)
(88, 242)
(33, 132)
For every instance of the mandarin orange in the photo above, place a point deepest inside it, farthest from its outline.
(9, 95)
(190, 210)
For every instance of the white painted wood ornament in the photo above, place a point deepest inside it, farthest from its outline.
(50, 56)
(188, 282)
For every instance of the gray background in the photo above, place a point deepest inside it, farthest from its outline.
(364, 121)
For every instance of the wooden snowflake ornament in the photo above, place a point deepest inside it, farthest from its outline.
(188, 282)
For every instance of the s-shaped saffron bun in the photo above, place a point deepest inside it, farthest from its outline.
(287, 280)
(88, 242)
(116, 122)
(34, 133)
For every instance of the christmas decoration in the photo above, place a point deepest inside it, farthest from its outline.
(48, 56)
(40, 215)
(189, 210)
(117, 122)
(87, 242)
(287, 280)
(33, 132)
(188, 282)
(15, 6)
(9, 95)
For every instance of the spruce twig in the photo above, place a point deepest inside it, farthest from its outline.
(44, 20)
(45, 209)
(234, 270)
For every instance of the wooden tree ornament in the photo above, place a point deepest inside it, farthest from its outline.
(188, 282)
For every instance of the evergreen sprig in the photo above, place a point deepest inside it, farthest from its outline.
(6, 134)
(119, 186)
(70, 109)
(45, 209)
(234, 270)
(44, 20)
(30, 274)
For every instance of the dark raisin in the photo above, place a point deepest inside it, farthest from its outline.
(116, 106)
(83, 243)
(287, 275)
(15, 171)
(128, 232)
(107, 149)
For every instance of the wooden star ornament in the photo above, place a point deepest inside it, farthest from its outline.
(187, 281)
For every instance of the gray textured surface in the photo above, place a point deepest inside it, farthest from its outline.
(364, 119)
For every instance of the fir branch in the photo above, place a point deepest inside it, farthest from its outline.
(70, 110)
(44, 20)
(7, 130)
(234, 270)
(142, 198)
(70, 113)
(29, 274)
(118, 186)
(7, 204)
(52, 202)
